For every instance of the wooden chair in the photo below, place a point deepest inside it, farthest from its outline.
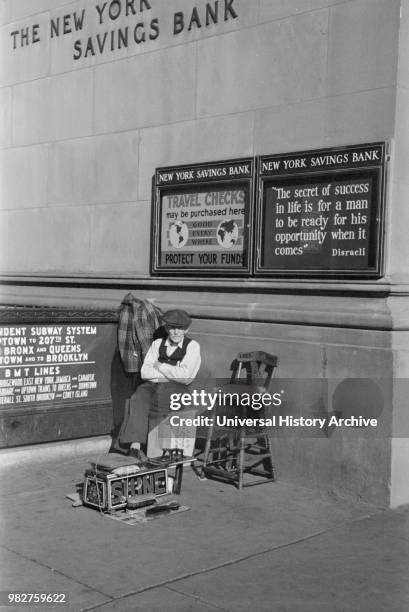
(232, 452)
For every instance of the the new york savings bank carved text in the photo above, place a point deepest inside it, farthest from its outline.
(138, 25)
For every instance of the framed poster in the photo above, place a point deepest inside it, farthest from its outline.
(57, 368)
(320, 213)
(201, 223)
(54, 363)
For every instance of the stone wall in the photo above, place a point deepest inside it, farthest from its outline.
(82, 132)
(81, 137)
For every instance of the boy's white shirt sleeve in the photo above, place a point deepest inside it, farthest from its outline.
(148, 370)
(186, 369)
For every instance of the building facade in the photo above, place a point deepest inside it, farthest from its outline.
(96, 95)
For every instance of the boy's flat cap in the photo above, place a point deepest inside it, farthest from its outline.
(180, 318)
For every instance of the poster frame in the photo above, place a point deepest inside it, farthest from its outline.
(190, 185)
(33, 422)
(376, 239)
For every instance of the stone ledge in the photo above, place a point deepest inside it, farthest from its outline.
(53, 451)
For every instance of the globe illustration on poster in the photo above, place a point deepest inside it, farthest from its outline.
(227, 233)
(178, 234)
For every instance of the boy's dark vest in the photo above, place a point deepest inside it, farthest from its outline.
(176, 356)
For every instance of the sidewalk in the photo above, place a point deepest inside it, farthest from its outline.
(275, 547)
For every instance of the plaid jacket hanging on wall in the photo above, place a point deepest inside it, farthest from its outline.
(138, 321)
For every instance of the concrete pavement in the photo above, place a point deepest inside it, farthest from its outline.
(276, 547)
